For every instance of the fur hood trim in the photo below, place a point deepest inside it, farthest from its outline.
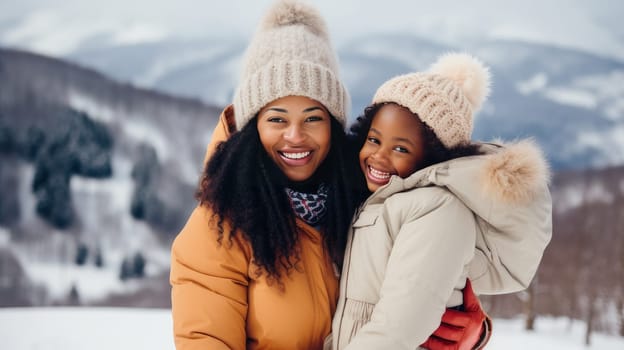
(516, 173)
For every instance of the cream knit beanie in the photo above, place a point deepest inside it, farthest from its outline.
(290, 55)
(445, 98)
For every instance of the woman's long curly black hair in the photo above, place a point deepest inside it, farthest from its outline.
(435, 151)
(244, 186)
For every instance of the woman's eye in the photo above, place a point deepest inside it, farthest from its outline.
(313, 119)
(276, 120)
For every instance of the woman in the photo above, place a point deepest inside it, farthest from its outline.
(256, 264)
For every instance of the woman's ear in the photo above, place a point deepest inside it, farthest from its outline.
(228, 113)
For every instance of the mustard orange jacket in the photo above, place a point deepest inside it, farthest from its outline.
(219, 302)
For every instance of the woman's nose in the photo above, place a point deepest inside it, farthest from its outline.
(294, 134)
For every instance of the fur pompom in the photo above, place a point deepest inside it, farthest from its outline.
(468, 72)
(292, 12)
(516, 173)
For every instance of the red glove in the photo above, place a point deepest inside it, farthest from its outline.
(462, 330)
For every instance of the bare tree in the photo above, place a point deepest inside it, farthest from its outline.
(529, 306)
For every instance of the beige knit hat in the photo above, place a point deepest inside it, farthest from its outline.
(290, 55)
(445, 97)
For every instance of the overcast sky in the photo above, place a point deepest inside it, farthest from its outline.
(59, 26)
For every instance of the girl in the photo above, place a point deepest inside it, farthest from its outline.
(435, 196)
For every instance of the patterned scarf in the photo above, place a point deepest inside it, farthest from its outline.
(310, 207)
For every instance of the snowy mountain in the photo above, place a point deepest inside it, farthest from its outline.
(206, 69)
(571, 101)
(95, 173)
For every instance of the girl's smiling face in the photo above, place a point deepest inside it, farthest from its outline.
(394, 146)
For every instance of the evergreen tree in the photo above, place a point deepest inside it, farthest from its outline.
(125, 271)
(99, 260)
(139, 265)
(82, 253)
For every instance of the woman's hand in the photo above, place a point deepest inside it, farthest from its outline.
(462, 330)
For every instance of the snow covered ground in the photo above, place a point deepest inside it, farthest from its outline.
(119, 328)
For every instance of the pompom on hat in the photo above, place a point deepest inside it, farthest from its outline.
(445, 97)
(290, 55)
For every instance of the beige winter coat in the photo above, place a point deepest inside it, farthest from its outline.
(413, 244)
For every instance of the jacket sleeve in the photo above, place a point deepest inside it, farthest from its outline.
(427, 259)
(209, 286)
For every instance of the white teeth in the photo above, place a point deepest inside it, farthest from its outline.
(379, 174)
(296, 155)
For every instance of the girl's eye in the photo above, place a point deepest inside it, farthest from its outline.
(401, 149)
(372, 140)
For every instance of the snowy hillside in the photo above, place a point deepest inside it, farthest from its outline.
(105, 329)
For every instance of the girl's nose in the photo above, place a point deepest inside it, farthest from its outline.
(380, 155)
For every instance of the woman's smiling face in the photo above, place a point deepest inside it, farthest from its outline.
(394, 146)
(296, 133)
